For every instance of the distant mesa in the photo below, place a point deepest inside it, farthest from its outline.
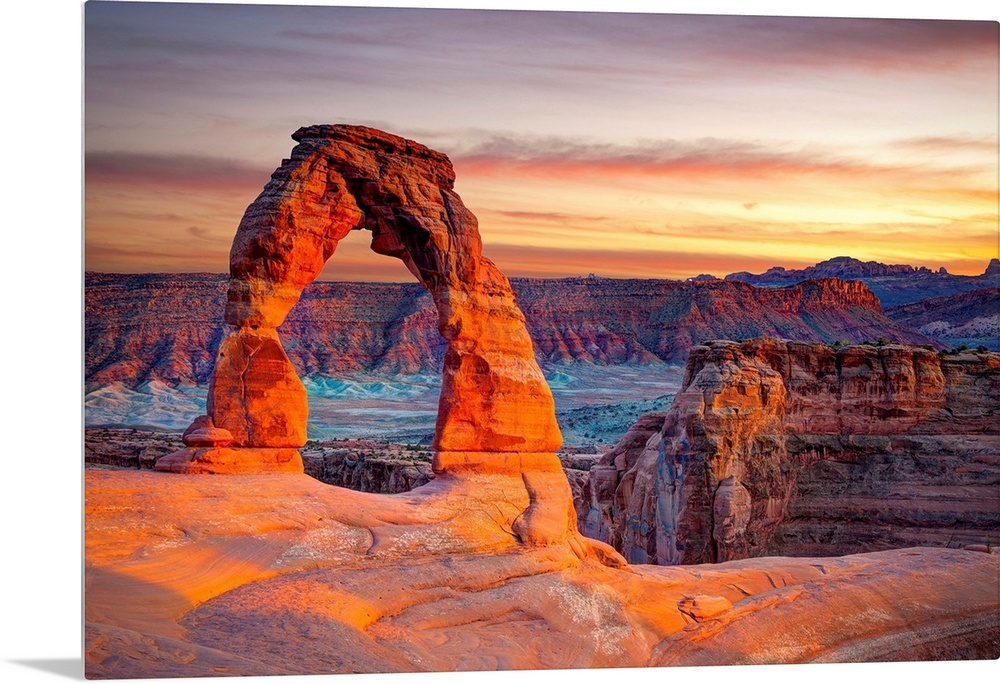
(838, 267)
(993, 269)
(894, 284)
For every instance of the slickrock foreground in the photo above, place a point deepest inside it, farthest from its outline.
(267, 574)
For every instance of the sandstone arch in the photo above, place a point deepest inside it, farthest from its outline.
(341, 178)
(496, 430)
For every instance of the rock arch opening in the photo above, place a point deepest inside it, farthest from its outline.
(339, 178)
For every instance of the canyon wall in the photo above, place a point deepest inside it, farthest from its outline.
(169, 327)
(776, 447)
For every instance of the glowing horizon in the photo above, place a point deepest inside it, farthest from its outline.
(621, 145)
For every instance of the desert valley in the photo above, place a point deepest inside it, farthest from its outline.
(290, 476)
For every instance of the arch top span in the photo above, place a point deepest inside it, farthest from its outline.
(340, 178)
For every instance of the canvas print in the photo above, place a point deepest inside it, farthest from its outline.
(439, 340)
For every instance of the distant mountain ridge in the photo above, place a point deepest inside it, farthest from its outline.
(893, 284)
(969, 318)
(168, 327)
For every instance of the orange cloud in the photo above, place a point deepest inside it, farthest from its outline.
(711, 159)
(519, 261)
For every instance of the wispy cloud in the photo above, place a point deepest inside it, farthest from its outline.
(544, 216)
(172, 171)
(949, 143)
(707, 157)
(869, 44)
(136, 259)
(554, 262)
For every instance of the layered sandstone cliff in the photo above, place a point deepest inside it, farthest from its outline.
(626, 321)
(168, 327)
(776, 447)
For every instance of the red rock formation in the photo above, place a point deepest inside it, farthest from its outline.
(208, 437)
(255, 393)
(142, 327)
(199, 423)
(341, 178)
(608, 488)
(226, 461)
(721, 478)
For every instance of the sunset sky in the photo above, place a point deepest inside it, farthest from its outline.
(617, 144)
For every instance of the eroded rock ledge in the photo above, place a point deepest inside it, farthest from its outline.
(776, 447)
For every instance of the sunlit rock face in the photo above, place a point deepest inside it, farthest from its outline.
(778, 447)
(255, 393)
(255, 574)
